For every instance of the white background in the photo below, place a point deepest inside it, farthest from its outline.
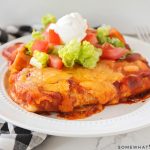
(123, 14)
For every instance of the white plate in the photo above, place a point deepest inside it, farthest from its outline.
(113, 120)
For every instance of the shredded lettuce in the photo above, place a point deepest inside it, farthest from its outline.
(89, 55)
(70, 53)
(116, 42)
(34, 62)
(37, 35)
(28, 46)
(39, 59)
(103, 33)
(49, 18)
(103, 37)
(84, 54)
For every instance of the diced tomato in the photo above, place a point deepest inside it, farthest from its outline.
(55, 62)
(98, 45)
(113, 53)
(40, 45)
(107, 46)
(54, 38)
(91, 36)
(115, 33)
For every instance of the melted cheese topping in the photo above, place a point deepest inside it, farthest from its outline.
(98, 80)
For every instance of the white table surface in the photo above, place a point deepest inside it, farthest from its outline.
(136, 138)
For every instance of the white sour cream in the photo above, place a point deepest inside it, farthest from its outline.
(69, 27)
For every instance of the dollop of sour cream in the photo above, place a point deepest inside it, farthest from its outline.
(69, 27)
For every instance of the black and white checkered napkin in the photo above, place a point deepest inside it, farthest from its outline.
(13, 137)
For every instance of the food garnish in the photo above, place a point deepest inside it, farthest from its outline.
(47, 19)
(39, 59)
(73, 42)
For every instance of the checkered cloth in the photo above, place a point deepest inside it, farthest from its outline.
(13, 137)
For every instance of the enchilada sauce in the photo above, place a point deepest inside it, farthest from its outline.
(131, 89)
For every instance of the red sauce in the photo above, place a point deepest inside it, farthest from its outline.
(90, 110)
(136, 98)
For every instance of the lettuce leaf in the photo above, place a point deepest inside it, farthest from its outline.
(103, 37)
(47, 19)
(103, 33)
(28, 46)
(70, 53)
(116, 42)
(37, 35)
(84, 54)
(39, 59)
(89, 55)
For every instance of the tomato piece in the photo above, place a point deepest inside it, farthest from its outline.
(115, 33)
(40, 45)
(55, 62)
(98, 45)
(107, 46)
(113, 53)
(54, 38)
(91, 37)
